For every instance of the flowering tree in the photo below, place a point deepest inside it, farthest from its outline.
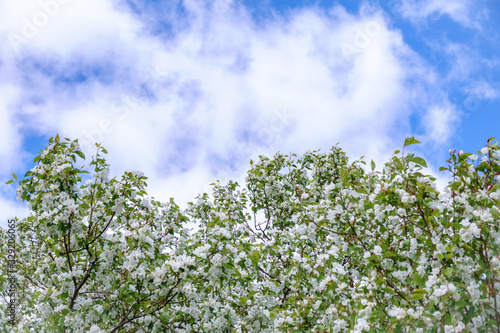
(311, 244)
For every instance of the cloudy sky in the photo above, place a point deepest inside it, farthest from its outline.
(189, 90)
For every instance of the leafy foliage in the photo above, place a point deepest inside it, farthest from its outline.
(311, 244)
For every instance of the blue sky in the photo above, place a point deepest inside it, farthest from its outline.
(188, 91)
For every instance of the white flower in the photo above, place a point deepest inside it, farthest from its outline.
(413, 244)
(202, 251)
(399, 313)
(59, 308)
(431, 281)
(466, 234)
(377, 250)
(216, 259)
(449, 329)
(182, 261)
(188, 288)
(399, 274)
(95, 329)
(137, 173)
(484, 150)
(329, 188)
(440, 247)
(495, 263)
(158, 275)
(484, 215)
(441, 291)
(475, 230)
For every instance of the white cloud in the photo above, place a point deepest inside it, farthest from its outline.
(197, 106)
(66, 27)
(10, 143)
(440, 121)
(484, 89)
(9, 210)
(9, 206)
(461, 11)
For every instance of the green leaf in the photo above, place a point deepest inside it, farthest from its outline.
(373, 165)
(56, 318)
(57, 138)
(428, 189)
(420, 291)
(389, 291)
(416, 297)
(255, 257)
(353, 319)
(420, 161)
(9, 182)
(492, 322)
(411, 141)
(79, 153)
(494, 212)
(14, 175)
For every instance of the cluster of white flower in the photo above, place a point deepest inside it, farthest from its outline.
(330, 248)
(469, 231)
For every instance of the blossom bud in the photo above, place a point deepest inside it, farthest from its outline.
(449, 151)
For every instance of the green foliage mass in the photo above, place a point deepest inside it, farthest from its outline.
(311, 243)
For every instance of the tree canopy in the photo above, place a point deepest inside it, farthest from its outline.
(310, 243)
